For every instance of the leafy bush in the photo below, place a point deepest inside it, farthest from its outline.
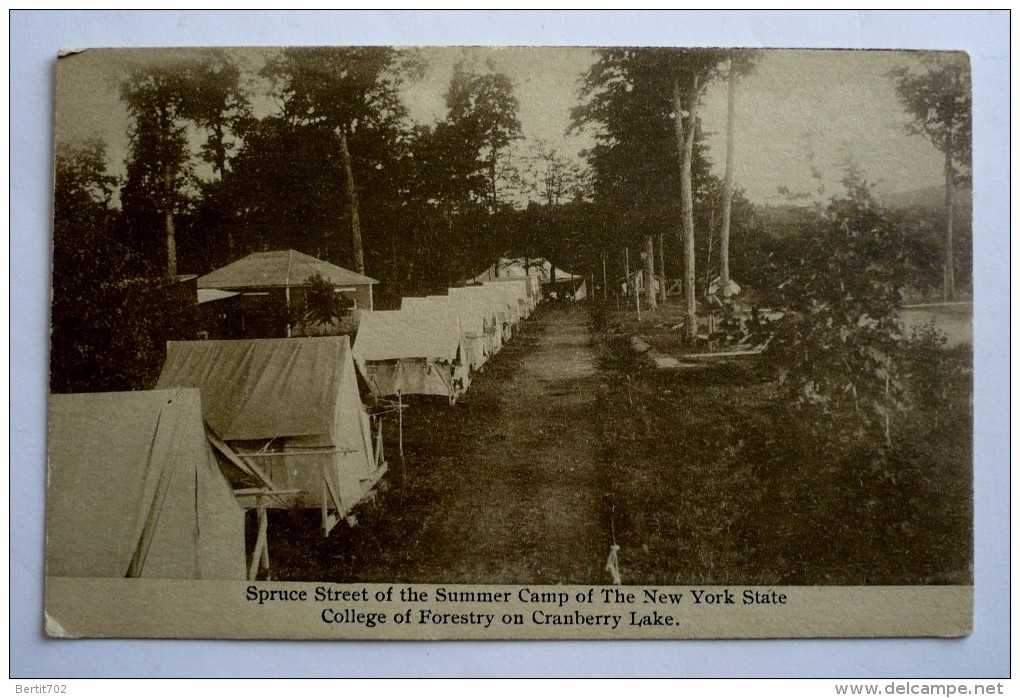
(324, 312)
(932, 370)
(838, 353)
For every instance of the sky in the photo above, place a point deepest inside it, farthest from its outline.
(798, 116)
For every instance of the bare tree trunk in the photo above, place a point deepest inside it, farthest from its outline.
(949, 278)
(724, 231)
(168, 218)
(662, 268)
(219, 151)
(492, 184)
(649, 259)
(685, 143)
(171, 246)
(352, 200)
(708, 254)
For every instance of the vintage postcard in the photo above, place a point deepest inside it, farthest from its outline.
(511, 343)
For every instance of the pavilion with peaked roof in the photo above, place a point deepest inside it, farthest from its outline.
(268, 286)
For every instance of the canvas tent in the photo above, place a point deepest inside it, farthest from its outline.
(540, 269)
(450, 311)
(291, 410)
(135, 490)
(531, 271)
(505, 297)
(474, 302)
(399, 352)
(716, 288)
(502, 319)
(536, 274)
(516, 289)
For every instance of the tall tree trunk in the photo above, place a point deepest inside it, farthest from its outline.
(709, 252)
(352, 201)
(662, 267)
(649, 260)
(171, 246)
(220, 167)
(492, 184)
(724, 230)
(168, 219)
(219, 150)
(685, 144)
(949, 278)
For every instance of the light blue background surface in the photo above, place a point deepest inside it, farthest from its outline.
(35, 38)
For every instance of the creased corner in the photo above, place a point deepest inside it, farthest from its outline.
(55, 629)
(65, 52)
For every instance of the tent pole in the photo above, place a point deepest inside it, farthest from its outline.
(400, 421)
(287, 290)
(400, 434)
(325, 509)
(626, 267)
(605, 285)
(261, 551)
(265, 547)
(637, 297)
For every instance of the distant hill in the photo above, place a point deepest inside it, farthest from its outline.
(928, 198)
(785, 220)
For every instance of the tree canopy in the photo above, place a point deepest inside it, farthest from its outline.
(482, 115)
(936, 93)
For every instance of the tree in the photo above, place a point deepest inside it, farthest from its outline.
(285, 173)
(159, 165)
(839, 354)
(345, 90)
(83, 187)
(739, 64)
(691, 71)
(644, 103)
(163, 99)
(217, 102)
(936, 93)
(111, 314)
(547, 176)
(482, 113)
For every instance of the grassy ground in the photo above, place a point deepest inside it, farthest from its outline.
(715, 481)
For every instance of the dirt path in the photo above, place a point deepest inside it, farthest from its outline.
(524, 499)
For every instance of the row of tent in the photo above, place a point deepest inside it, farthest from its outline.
(433, 345)
(158, 483)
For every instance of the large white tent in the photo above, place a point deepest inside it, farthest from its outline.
(135, 490)
(536, 273)
(507, 309)
(291, 410)
(519, 268)
(515, 289)
(399, 352)
(472, 327)
(475, 301)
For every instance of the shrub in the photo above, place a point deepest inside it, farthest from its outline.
(839, 353)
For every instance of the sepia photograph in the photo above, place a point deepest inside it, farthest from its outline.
(690, 327)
